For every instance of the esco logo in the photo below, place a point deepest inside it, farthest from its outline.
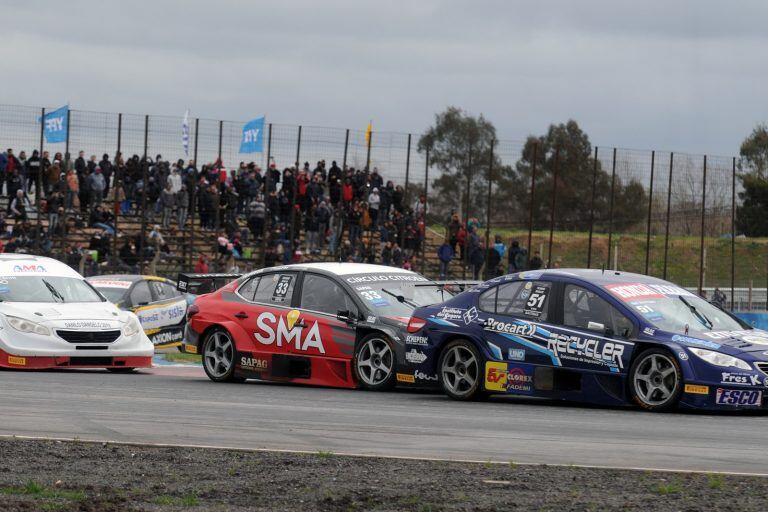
(29, 268)
(282, 330)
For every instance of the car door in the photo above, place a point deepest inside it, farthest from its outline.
(592, 334)
(321, 301)
(168, 306)
(512, 319)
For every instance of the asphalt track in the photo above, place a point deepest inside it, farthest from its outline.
(177, 405)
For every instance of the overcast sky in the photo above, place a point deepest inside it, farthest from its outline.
(685, 76)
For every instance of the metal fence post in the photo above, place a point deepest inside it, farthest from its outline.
(592, 210)
(553, 206)
(193, 197)
(669, 209)
(703, 219)
(38, 185)
(267, 229)
(145, 181)
(117, 185)
(650, 210)
(610, 210)
(488, 213)
(530, 202)
(733, 233)
(221, 132)
(407, 170)
(368, 154)
(293, 194)
(67, 158)
(426, 202)
(466, 213)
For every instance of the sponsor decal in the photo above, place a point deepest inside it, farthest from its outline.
(153, 317)
(415, 356)
(451, 313)
(516, 354)
(469, 315)
(404, 377)
(29, 268)
(416, 340)
(504, 377)
(519, 327)
(530, 275)
(587, 350)
(745, 379)
(419, 375)
(171, 336)
(695, 389)
(253, 364)
(182, 286)
(738, 397)
(649, 331)
(105, 283)
(640, 291)
(190, 349)
(695, 341)
(282, 330)
(682, 355)
(371, 319)
(18, 361)
(87, 324)
(375, 278)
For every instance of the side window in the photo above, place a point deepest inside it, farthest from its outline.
(276, 289)
(524, 298)
(487, 300)
(140, 294)
(584, 309)
(248, 289)
(319, 293)
(506, 296)
(162, 290)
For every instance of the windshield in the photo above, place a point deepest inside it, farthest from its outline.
(398, 298)
(46, 289)
(113, 295)
(114, 290)
(674, 309)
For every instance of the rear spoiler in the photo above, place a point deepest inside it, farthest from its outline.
(198, 284)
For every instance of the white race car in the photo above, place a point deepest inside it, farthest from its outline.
(50, 317)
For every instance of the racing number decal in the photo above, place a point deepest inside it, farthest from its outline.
(282, 287)
(534, 306)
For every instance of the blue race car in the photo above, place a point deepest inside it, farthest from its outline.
(603, 337)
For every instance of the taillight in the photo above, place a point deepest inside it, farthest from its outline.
(415, 324)
(191, 311)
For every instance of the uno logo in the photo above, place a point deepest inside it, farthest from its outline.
(29, 268)
(282, 330)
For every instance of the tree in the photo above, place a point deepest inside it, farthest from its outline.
(459, 148)
(751, 215)
(567, 147)
(754, 151)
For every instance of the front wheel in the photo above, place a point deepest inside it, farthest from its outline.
(461, 371)
(374, 362)
(655, 380)
(219, 356)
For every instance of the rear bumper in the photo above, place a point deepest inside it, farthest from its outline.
(17, 362)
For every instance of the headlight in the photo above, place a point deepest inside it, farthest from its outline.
(132, 328)
(718, 359)
(22, 325)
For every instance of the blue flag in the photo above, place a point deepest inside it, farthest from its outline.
(253, 140)
(56, 125)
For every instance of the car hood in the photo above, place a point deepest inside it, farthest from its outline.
(748, 340)
(98, 315)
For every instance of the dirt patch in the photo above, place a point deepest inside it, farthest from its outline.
(94, 477)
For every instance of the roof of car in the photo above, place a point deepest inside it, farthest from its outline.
(27, 264)
(593, 275)
(343, 269)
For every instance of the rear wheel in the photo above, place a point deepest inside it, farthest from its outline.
(655, 380)
(219, 356)
(461, 371)
(374, 362)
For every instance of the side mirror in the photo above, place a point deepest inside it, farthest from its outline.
(346, 317)
(597, 326)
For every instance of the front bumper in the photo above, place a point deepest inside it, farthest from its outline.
(16, 362)
(723, 397)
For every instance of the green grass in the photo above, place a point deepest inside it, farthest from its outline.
(324, 455)
(665, 489)
(37, 490)
(715, 481)
(179, 357)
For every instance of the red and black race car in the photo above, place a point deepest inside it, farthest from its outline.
(327, 324)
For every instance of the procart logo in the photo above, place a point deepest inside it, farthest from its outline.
(29, 268)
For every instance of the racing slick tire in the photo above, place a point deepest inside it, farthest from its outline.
(461, 371)
(655, 380)
(219, 356)
(121, 370)
(374, 362)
